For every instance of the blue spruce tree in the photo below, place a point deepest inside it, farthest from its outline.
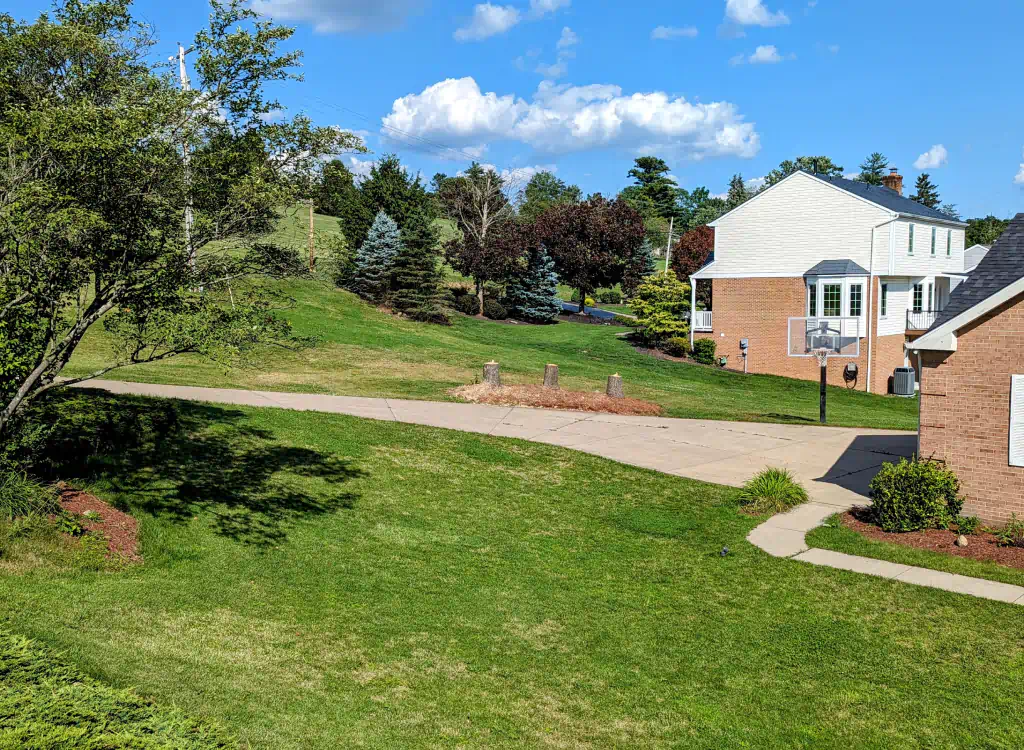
(533, 295)
(639, 268)
(375, 260)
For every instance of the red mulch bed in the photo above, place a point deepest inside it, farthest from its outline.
(119, 529)
(980, 546)
(547, 398)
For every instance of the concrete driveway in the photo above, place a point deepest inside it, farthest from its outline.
(835, 464)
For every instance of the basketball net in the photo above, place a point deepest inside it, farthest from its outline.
(822, 356)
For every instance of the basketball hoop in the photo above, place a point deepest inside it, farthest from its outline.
(822, 355)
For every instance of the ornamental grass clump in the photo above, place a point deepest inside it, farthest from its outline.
(772, 491)
(914, 495)
(21, 496)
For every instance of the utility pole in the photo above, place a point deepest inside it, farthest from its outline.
(186, 160)
(668, 249)
(311, 261)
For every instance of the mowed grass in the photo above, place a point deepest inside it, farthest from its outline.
(367, 352)
(835, 536)
(317, 581)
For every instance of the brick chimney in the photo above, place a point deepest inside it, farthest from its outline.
(894, 180)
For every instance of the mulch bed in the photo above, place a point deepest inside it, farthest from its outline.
(119, 529)
(546, 398)
(980, 546)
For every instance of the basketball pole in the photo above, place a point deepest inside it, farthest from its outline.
(824, 381)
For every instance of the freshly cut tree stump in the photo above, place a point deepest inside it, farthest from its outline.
(615, 389)
(492, 374)
(551, 376)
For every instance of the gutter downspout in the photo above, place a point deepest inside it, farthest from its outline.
(871, 291)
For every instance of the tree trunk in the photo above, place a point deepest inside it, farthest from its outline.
(492, 374)
(551, 377)
(583, 301)
(480, 297)
(615, 389)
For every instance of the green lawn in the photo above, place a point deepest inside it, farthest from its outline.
(837, 537)
(366, 352)
(320, 581)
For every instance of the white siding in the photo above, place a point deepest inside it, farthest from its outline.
(895, 320)
(794, 226)
(922, 262)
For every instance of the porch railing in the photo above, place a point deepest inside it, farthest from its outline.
(920, 320)
(702, 320)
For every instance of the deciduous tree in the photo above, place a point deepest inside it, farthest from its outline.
(690, 255)
(822, 165)
(985, 231)
(543, 191)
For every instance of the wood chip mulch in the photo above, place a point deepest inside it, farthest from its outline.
(546, 398)
(119, 529)
(980, 546)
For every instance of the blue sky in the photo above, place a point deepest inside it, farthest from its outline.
(715, 87)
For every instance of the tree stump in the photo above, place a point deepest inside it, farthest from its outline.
(615, 389)
(551, 377)
(492, 374)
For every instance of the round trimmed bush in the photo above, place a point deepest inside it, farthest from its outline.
(772, 491)
(610, 297)
(914, 495)
(704, 351)
(677, 346)
(467, 304)
(494, 310)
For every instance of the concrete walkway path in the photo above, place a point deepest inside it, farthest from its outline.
(834, 464)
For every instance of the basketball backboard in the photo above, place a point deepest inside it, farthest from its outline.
(814, 337)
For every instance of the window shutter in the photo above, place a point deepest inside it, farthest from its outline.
(1017, 421)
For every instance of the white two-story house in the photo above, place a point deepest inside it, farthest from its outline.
(828, 248)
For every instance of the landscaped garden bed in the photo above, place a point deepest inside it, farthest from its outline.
(548, 398)
(118, 529)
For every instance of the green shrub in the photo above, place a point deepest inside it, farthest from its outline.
(21, 496)
(610, 297)
(69, 523)
(494, 310)
(677, 346)
(576, 298)
(662, 307)
(625, 320)
(968, 525)
(704, 351)
(914, 495)
(772, 491)
(1012, 534)
(467, 304)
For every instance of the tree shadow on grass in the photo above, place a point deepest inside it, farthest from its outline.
(175, 459)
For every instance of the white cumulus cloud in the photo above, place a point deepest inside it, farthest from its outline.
(566, 48)
(753, 13)
(766, 54)
(1019, 179)
(540, 8)
(332, 16)
(668, 33)
(487, 21)
(568, 40)
(755, 183)
(933, 158)
(518, 176)
(563, 117)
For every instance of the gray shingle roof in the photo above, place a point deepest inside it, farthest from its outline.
(845, 267)
(886, 198)
(1003, 265)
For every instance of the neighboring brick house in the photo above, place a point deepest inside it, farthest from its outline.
(972, 382)
(830, 249)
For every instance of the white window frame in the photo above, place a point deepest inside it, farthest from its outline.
(1016, 437)
(910, 241)
(845, 283)
(883, 304)
(935, 234)
(949, 243)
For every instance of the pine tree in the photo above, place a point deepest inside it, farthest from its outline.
(738, 193)
(533, 296)
(416, 279)
(927, 193)
(639, 268)
(873, 169)
(375, 260)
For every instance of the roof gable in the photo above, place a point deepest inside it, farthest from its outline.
(887, 199)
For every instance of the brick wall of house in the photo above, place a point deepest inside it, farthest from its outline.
(759, 310)
(965, 411)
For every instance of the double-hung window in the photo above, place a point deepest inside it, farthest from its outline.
(918, 297)
(812, 300)
(832, 299)
(934, 232)
(931, 289)
(856, 300)
(949, 242)
(885, 300)
(910, 244)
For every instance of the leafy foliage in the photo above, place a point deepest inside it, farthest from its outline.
(661, 306)
(691, 254)
(532, 294)
(926, 193)
(914, 495)
(1012, 534)
(22, 496)
(677, 346)
(417, 277)
(95, 187)
(495, 310)
(596, 243)
(543, 191)
(968, 525)
(985, 231)
(375, 260)
(704, 351)
(772, 491)
(873, 169)
(467, 304)
(815, 164)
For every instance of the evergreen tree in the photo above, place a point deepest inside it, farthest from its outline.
(533, 295)
(640, 268)
(738, 193)
(821, 165)
(927, 193)
(375, 260)
(652, 178)
(873, 169)
(416, 279)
